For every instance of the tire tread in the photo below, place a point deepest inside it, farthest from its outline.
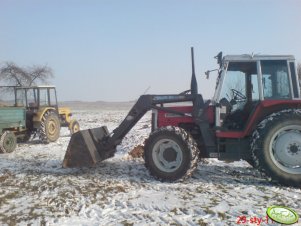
(187, 140)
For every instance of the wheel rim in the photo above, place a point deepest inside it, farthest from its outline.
(167, 155)
(9, 143)
(285, 149)
(51, 127)
(75, 128)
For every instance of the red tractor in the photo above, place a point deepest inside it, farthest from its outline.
(255, 115)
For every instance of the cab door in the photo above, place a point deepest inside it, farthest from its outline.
(238, 94)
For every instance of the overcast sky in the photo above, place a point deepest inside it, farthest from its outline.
(114, 50)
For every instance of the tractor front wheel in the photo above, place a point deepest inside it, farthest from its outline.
(50, 127)
(171, 154)
(8, 142)
(74, 127)
(276, 147)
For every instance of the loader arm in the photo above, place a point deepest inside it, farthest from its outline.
(148, 102)
(144, 104)
(87, 147)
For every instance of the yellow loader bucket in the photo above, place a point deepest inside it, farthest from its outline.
(86, 148)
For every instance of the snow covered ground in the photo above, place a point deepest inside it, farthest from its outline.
(36, 190)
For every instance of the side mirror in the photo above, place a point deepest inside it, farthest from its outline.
(208, 72)
(219, 58)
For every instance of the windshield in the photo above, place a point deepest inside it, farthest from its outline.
(20, 97)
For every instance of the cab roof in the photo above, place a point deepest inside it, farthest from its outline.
(250, 57)
(34, 87)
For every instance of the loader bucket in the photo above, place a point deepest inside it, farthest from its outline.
(85, 148)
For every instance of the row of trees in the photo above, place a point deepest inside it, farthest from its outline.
(12, 74)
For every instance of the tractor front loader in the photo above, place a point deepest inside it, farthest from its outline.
(255, 115)
(88, 147)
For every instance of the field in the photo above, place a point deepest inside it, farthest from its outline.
(36, 190)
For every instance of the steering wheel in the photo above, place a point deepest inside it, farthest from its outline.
(238, 96)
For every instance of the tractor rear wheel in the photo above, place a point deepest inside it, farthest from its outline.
(276, 147)
(171, 154)
(8, 142)
(50, 127)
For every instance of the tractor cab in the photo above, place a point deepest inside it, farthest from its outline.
(42, 112)
(37, 100)
(35, 97)
(244, 81)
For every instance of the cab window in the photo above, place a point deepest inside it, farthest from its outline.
(44, 97)
(275, 80)
(20, 98)
(241, 82)
(52, 96)
(32, 98)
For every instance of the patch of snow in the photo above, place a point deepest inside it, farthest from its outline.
(221, 207)
(36, 190)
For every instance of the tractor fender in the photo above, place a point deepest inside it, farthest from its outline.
(65, 115)
(37, 118)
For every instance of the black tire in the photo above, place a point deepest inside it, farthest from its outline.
(276, 147)
(74, 127)
(181, 153)
(8, 142)
(50, 127)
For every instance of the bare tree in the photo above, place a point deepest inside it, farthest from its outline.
(13, 74)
